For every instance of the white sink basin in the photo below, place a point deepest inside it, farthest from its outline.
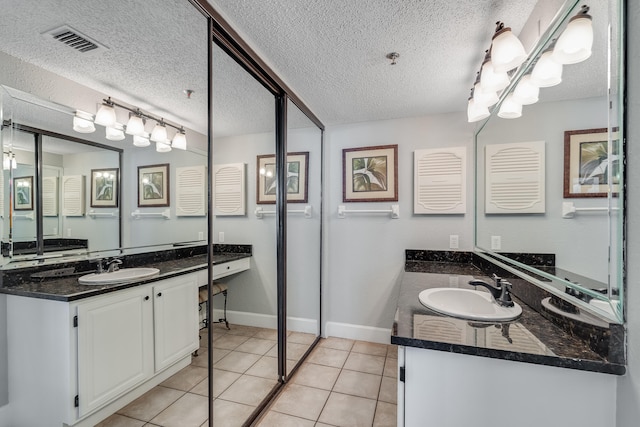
(119, 276)
(467, 304)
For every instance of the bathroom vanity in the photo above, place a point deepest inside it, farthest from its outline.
(81, 352)
(498, 372)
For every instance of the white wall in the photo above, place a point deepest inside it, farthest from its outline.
(364, 253)
(4, 374)
(629, 385)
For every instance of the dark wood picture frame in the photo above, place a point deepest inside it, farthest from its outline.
(23, 193)
(586, 162)
(297, 178)
(154, 186)
(370, 174)
(104, 188)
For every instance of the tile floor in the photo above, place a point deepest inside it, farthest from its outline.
(342, 383)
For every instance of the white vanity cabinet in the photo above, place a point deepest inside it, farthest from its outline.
(80, 361)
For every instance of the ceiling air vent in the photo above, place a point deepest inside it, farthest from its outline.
(74, 39)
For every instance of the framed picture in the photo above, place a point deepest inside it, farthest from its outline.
(591, 167)
(297, 176)
(370, 174)
(153, 185)
(23, 193)
(104, 188)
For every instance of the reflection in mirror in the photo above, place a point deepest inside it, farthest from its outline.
(244, 126)
(304, 178)
(525, 204)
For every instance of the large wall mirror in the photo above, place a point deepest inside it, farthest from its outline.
(551, 181)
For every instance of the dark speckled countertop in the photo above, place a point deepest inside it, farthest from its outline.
(68, 289)
(532, 338)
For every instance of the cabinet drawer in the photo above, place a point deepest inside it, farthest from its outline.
(231, 267)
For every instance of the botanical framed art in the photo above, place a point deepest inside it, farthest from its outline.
(104, 188)
(370, 174)
(153, 185)
(23, 193)
(591, 167)
(297, 178)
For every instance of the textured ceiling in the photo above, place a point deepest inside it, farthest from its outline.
(330, 52)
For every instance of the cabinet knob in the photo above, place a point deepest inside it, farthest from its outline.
(146, 298)
(159, 294)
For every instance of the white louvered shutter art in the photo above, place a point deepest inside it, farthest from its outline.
(191, 191)
(440, 181)
(73, 195)
(229, 185)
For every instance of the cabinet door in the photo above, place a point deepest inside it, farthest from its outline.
(175, 304)
(115, 345)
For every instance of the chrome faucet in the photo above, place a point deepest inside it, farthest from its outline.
(114, 265)
(501, 291)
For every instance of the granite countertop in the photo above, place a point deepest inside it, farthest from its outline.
(68, 288)
(531, 338)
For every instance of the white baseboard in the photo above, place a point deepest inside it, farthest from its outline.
(358, 332)
(296, 324)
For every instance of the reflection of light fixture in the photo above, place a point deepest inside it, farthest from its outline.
(179, 140)
(115, 133)
(163, 147)
(574, 45)
(475, 111)
(141, 140)
(159, 132)
(491, 80)
(135, 125)
(510, 109)
(546, 72)
(482, 97)
(83, 122)
(526, 93)
(507, 52)
(106, 115)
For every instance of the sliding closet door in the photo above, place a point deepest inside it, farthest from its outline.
(304, 204)
(244, 357)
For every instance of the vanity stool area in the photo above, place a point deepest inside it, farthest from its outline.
(83, 352)
(499, 372)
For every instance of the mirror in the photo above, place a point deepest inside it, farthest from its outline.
(549, 182)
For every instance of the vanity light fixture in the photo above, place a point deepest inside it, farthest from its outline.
(510, 108)
(482, 97)
(159, 132)
(476, 111)
(507, 51)
(115, 132)
(141, 140)
(574, 45)
(546, 72)
(526, 93)
(179, 140)
(163, 147)
(83, 122)
(9, 161)
(490, 79)
(135, 125)
(106, 115)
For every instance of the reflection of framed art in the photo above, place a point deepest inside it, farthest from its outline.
(23, 193)
(104, 188)
(297, 176)
(588, 163)
(153, 185)
(370, 174)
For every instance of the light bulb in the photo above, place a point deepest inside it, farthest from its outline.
(179, 140)
(83, 123)
(526, 93)
(135, 125)
(141, 141)
(115, 133)
(507, 51)
(163, 147)
(574, 45)
(159, 132)
(510, 109)
(546, 72)
(106, 115)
